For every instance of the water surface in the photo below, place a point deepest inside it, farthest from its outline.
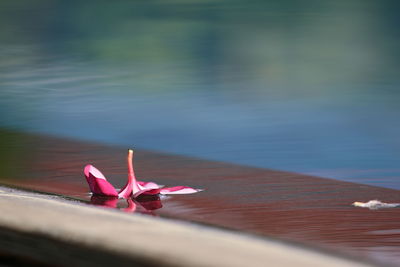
(311, 87)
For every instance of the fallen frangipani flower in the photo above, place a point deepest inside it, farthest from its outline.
(375, 204)
(99, 185)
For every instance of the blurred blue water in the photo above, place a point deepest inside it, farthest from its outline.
(310, 87)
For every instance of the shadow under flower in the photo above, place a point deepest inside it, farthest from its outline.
(145, 204)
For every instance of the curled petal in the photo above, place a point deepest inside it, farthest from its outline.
(126, 191)
(98, 184)
(147, 192)
(148, 185)
(179, 190)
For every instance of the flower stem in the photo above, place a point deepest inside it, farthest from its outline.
(131, 173)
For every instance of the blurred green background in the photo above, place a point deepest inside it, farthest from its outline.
(305, 86)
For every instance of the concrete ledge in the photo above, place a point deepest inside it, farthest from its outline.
(45, 229)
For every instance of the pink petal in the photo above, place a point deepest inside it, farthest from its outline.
(179, 190)
(98, 184)
(126, 192)
(147, 192)
(147, 185)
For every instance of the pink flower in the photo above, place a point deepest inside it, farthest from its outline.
(99, 185)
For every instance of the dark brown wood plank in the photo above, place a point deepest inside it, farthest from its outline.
(290, 206)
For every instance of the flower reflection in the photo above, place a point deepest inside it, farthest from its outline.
(145, 204)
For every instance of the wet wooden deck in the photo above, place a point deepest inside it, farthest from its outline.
(289, 206)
